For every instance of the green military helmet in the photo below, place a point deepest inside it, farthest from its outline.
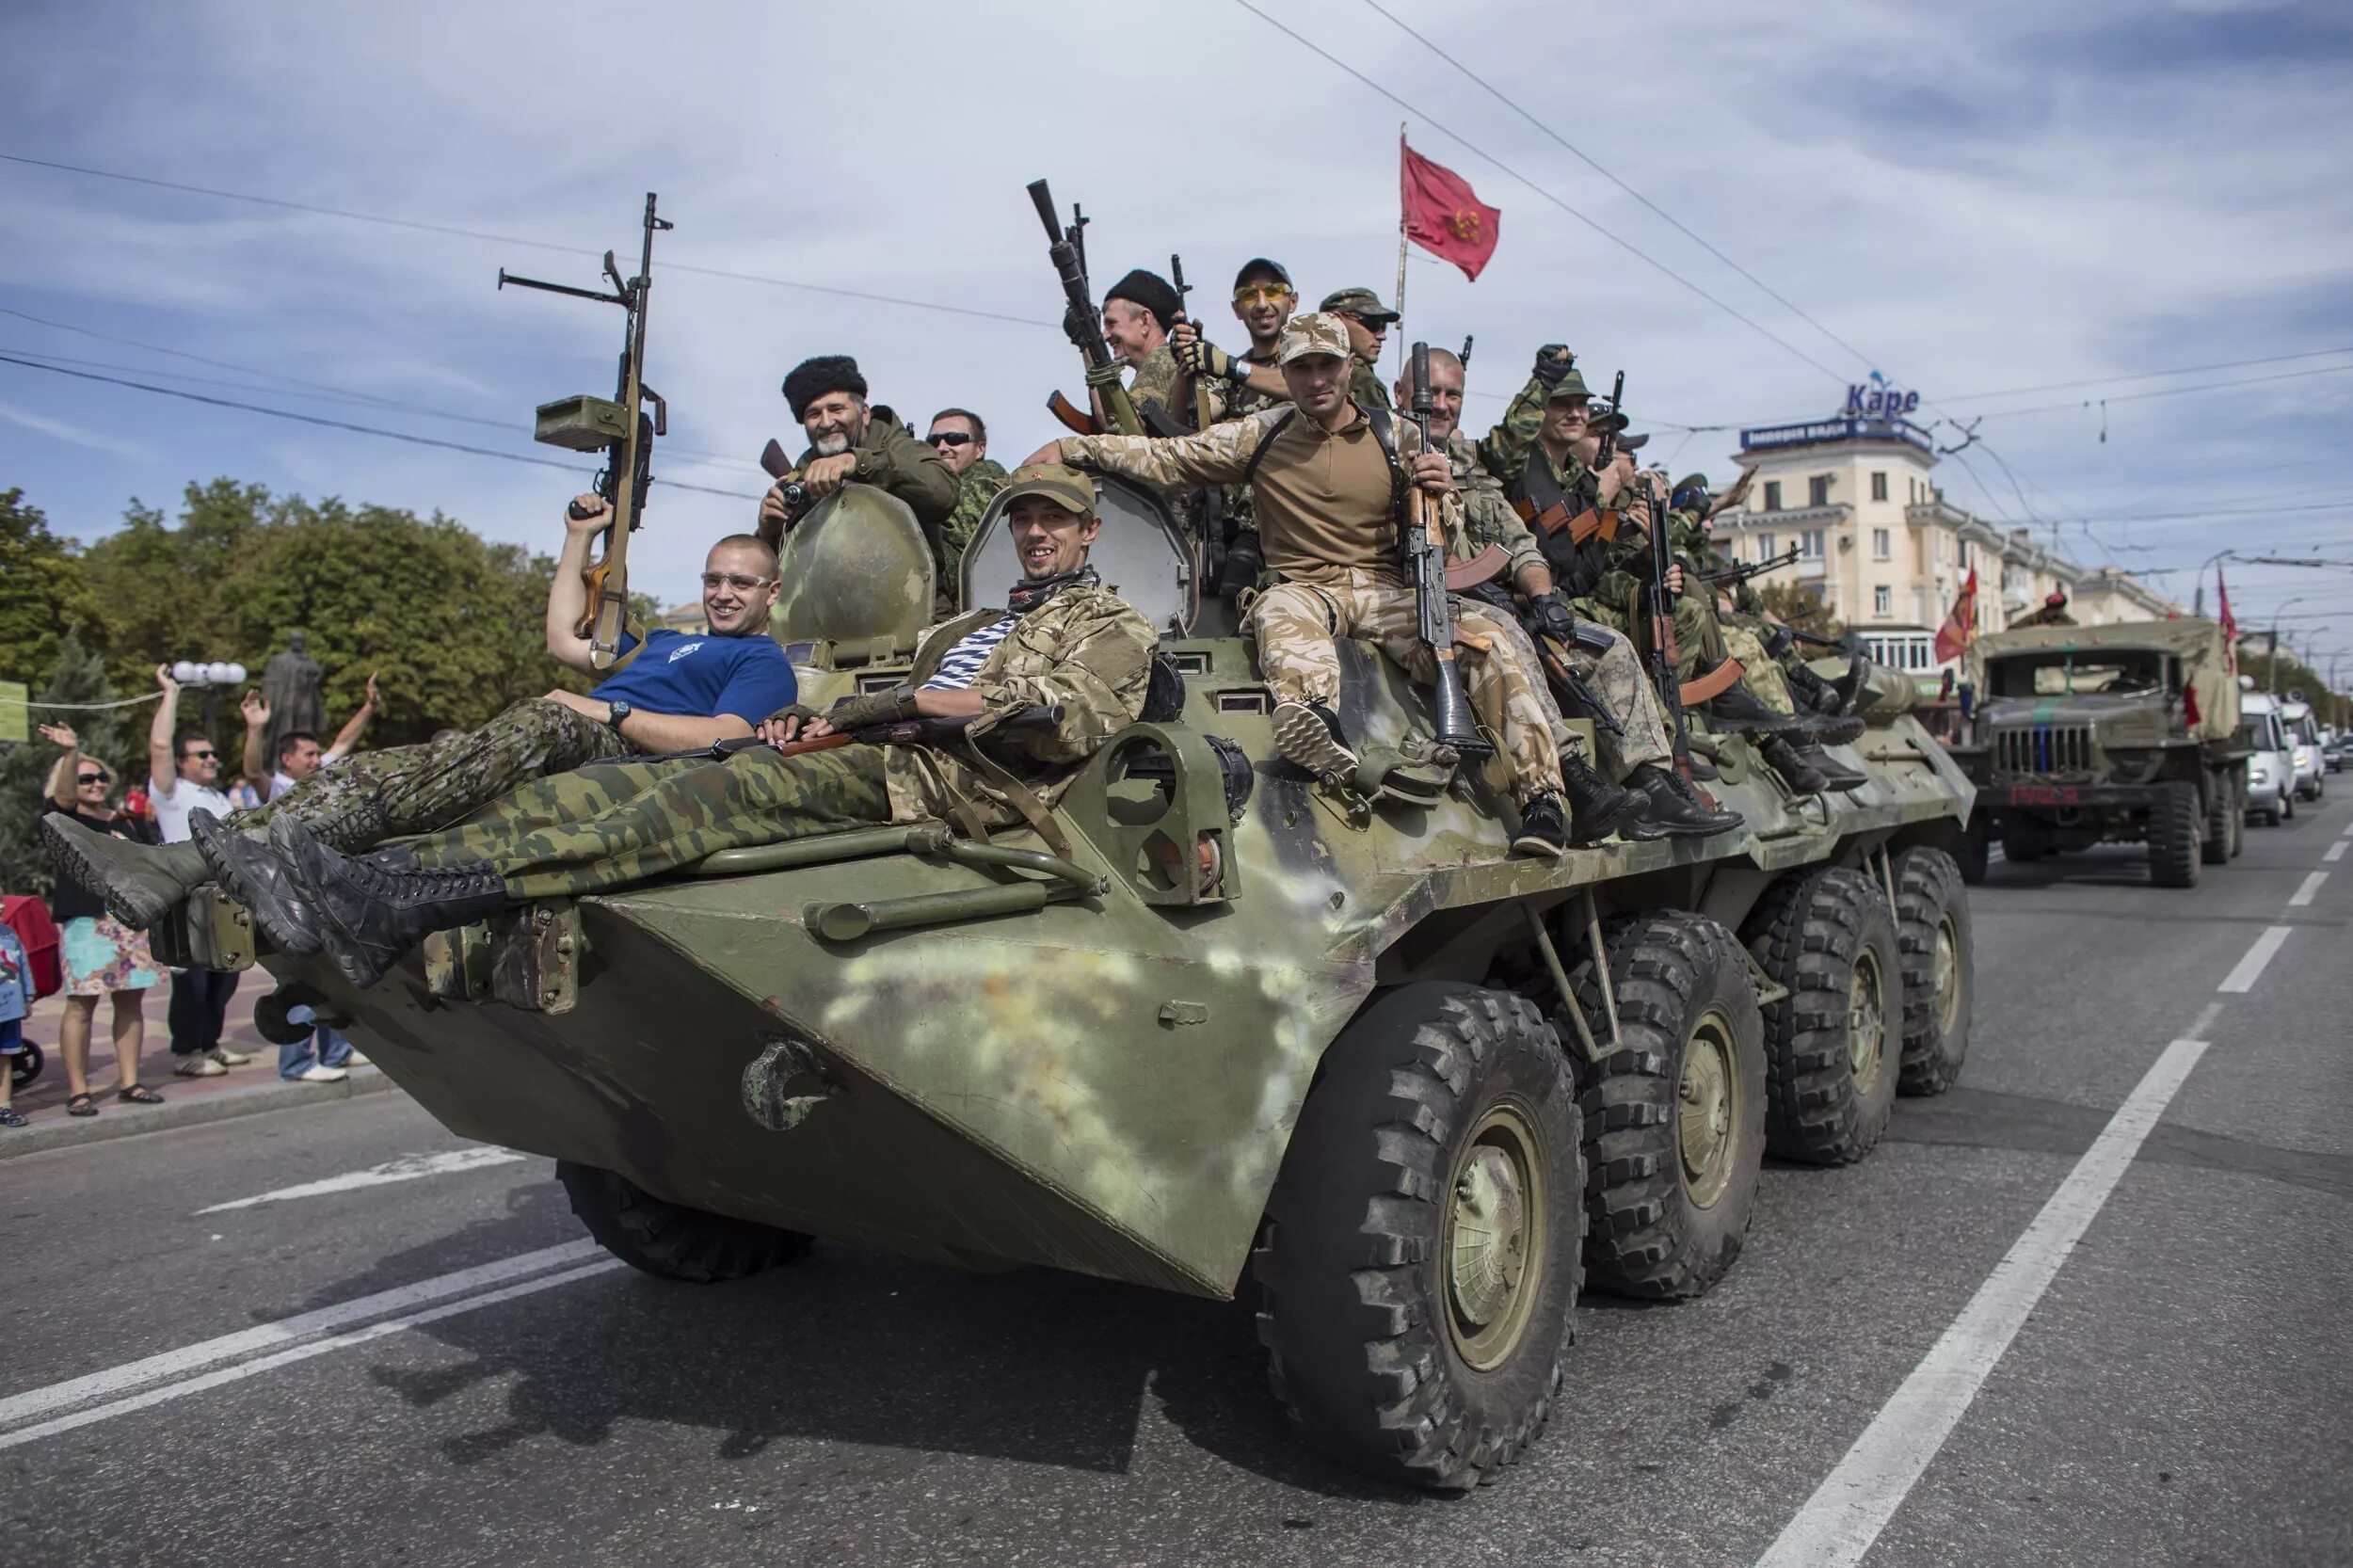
(857, 571)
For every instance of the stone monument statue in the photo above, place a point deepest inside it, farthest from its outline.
(291, 684)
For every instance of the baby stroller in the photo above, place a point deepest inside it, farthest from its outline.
(29, 970)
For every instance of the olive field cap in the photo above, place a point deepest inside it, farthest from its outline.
(1258, 266)
(1066, 486)
(1360, 302)
(1315, 332)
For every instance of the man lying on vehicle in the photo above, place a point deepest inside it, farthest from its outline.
(682, 689)
(1042, 684)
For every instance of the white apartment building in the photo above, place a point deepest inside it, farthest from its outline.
(1885, 551)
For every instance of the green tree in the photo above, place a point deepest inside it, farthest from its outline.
(1803, 608)
(43, 597)
(117, 737)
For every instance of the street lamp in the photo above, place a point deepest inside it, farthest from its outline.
(2199, 610)
(2272, 660)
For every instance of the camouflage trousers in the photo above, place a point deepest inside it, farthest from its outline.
(373, 796)
(1761, 670)
(1616, 676)
(611, 823)
(1699, 636)
(1296, 624)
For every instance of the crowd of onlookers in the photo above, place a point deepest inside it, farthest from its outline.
(71, 943)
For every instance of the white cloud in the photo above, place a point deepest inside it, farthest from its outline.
(64, 431)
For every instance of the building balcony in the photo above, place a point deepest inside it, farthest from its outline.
(1798, 518)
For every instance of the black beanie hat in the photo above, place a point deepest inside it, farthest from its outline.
(1153, 292)
(813, 379)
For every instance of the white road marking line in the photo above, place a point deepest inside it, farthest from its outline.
(408, 1167)
(2250, 968)
(2336, 852)
(2311, 885)
(269, 1337)
(1844, 1515)
(302, 1352)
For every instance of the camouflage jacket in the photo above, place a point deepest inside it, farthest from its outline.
(974, 491)
(1487, 514)
(890, 458)
(1363, 384)
(1505, 450)
(1085, 650)
(2044, 616)
(1698, 552)
(1159, 379)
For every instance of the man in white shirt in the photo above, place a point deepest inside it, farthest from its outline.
(184, 774)
(299, 753)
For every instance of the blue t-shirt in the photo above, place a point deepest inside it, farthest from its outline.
(696, 673)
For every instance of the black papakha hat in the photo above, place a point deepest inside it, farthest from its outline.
(813, 379)
(1153, 292)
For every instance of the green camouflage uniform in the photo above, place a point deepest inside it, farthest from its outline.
(1745, 627)
(1614, 674)
(370, 796)
(1363, 383)
(974, 491)
(1084, 651)
(891, 458)
(1160, 379)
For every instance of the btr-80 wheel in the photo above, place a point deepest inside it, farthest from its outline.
(1831, 1044)
(1939, 965)
(1675, 1117)
(669, 1239)
(1417, 1270)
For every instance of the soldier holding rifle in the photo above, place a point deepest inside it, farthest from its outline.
(849, 442)
(1332, 478)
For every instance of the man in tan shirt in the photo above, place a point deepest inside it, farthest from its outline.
(1330, 478)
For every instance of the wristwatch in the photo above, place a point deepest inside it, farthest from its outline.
(617, 710)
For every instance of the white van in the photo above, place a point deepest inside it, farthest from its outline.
(2304, 737)
(2271, 771)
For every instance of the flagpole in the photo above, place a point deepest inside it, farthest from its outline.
(1400, 248)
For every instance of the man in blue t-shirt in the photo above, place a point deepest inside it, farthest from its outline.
(679, 691)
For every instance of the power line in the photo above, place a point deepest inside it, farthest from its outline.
(1630, 248)
(453, 230)
(2145, 375)
(344, 425)
(2167, 392)
(1578, 153)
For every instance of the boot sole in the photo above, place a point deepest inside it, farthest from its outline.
(1843, 731)
(1582, 831)
(1303, 737)
(131, 905)
(288, 933)
(1527, 843)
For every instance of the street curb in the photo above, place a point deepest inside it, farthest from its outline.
(120, 1120)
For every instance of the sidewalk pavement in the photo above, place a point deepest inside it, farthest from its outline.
(240, 1091)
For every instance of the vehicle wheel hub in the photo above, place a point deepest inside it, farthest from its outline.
(1948, 976)
(1707, 1110)
(1867, 1018)
(1494, 1254)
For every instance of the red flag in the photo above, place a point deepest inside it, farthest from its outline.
(2229, 624)
(1444, 216)
(1960, 628)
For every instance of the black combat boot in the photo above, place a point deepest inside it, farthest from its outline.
(1847, 685)
(1737, 708)
(368, 915)
(1827, 717)
(1673, 809)
(1544, 828)
(1596, 807)
(140, 883)
(1309, 734)
(1837, 776)
(1790, 762)
(258, 880)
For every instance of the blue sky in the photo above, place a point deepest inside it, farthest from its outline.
(1975, 198)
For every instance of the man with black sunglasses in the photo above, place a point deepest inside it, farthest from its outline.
(183, 777)
(962, 442)
(679, 691)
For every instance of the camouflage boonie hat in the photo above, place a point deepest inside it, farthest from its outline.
(1067, 488)
(1315, 332)
(1360, 302)
(1572, 385)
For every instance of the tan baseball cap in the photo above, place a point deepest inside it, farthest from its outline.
(1067, 488)
(1315, 332)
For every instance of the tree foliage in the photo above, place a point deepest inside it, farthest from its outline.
(1803, 608)
(43, 597)
(117, 737)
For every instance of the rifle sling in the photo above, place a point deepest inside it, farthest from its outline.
(1713, 684)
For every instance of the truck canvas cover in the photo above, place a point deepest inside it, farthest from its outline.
(2205, 664)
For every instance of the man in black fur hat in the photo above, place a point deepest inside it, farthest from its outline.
(1138, 312)
(848, 441)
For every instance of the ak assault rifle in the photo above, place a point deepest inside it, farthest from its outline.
(1663, 657)
(622, 428)
(1425, 558)
(900, 732)
(1204, 409)
(1064, 248)
(1739, 573)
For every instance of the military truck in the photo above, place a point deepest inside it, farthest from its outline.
(1226, 1030)
(2126, 733)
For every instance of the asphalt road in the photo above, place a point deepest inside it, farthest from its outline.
(2180, 1393)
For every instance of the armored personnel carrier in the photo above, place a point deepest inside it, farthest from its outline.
(2107, 734)
(1241, 1033)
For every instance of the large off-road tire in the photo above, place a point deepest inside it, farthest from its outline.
(1939, 965)
(2173, 837)
(1418, 1267)
(2023, 840)
(1674, 1116)
(1831, 1044)
(669, 1239)
(2238, 819)
(2213, 847)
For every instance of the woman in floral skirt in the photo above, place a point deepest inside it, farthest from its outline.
(103, 957)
